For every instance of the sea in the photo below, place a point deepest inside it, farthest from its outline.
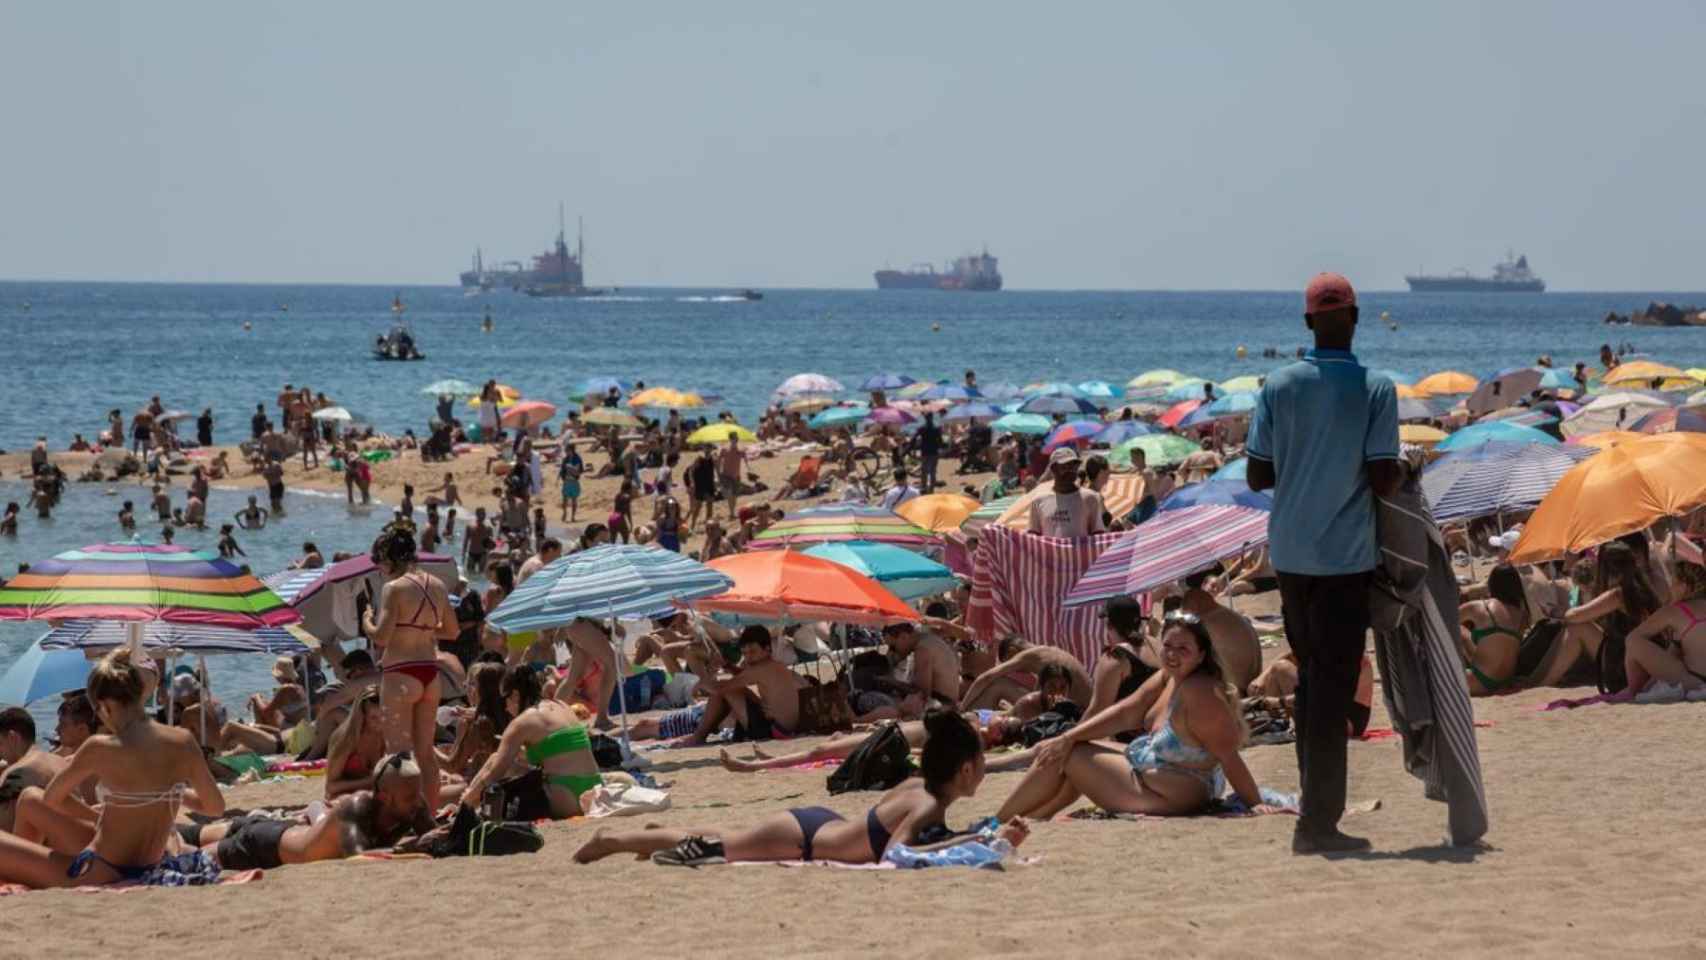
(78, 350)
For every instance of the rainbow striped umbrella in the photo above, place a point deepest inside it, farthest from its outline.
(140, 582)
(843, 521)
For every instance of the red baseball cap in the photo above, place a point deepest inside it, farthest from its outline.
(1328, 291)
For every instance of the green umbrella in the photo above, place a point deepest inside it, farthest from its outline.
(1160, 449)
(453, 388)
(1032, 423)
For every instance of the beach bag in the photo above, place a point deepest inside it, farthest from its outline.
(1051, 723)
(520, 797)
(471, 836)
(1535, 645)
(1612, 676)
(824, 707)
(882, 761)
(607, 751)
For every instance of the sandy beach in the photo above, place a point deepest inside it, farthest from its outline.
(1591, 854)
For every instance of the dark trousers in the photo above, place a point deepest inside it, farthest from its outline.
(1326, 623)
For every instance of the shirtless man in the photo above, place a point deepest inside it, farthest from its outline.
(775, 707)
(445, 494)
(25, 764)
(476, 540)
(162, 503)
(356, 822)
(730, 463)
(1235, 640)
(999, 683)
(935, 664)
(549, 549)
(273, 472)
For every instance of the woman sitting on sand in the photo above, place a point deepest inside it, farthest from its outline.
(147, 771)
(483, 722)
(356, 747)
(1682, 662)
(1490, 632)
(289, 703)
(551, 735)
(1188, 753)
(911, 813)
(1623, 597)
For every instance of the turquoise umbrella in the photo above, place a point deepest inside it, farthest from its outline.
(902, 572)
(834, 417)
(1186, 390)
(1238, 470)
(1034, 424)
(1493, 431)
(1097, 389)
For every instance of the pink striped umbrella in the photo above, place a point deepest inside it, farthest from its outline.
(1175, 544)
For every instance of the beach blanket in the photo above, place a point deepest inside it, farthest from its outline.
(1225, 808)
(222, 878)
(1018, 582)
(1413, 607)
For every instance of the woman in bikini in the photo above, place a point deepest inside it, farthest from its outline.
(551, 736)
(1184, 759)
(1623, 597)
(357, 745)
(1648, 658)
(414, 618)
(483, 722)
(1490, 632)
(147, 772)
(1126, 662)
(592, 654)
(913, 813)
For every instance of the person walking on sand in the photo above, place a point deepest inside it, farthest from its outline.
(730, 464)
(1324, 438)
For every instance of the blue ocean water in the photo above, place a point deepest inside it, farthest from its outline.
(78, 350)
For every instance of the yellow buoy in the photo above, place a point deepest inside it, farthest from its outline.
(1242, 353)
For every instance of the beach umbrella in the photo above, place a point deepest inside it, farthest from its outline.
(1248, 383)
(1000, 390)
(988, 513)
(138, 582)
(886, 381)
(1604, 440)
(889, 416)
(1674, 420)
(914, 390)
(1496, 477)
(1169, 547)
(1503, 391)
(950, 391)
(334, 414)
(808, 383)
(809, 404)
(173, 416)
(1621, 490)
(1493, 431)
(1446, 383)
(1156, 378)
(1178, 412)
(1233, 405)
(1188, 390)
(1159, 450)
(99, 636)
(1051, 388)
(1119, 431)
(1097, 389)
(40, 674)
(1552, 378)
(1238, 470)
(1049, 404)
(1415, 409)
(325, 598)
(1420, 433)
(1698, 373)
(1032, 424)
(836, 417)
(905, 574)
(973, 411)
(1073, 431)
(938, 512)
(713, 433)
(666, 398)
(1645, 373)
(609, 417)
(451, 388)
(506, 396)
(1222, 492)
(1610, 411)
(836, 522)
(786, 586)
(528, 414)
(609, 581)
(1408, 392)
(598, 387)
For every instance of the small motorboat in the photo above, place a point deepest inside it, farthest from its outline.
(398, 344)
(751, 294)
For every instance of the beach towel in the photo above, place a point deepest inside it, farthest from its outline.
(184, 870)
(1223, 809)
(1018, 582)
(1413, 603)
(618, 799)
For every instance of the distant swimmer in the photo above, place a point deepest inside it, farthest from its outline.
(247, 326)
(1386, 318)
(935, 328)
(486, 324)
(1241, 353)
(26, 306)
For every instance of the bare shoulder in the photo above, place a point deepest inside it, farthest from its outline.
(1198, 690)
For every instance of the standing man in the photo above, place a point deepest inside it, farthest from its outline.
(929, 451)
(1067, 510)
(204, 428)
(730, 464)
(1324, 438)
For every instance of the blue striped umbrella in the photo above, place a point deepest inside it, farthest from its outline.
(886, 381)
(951, 391)
(1120, 431)
(100, 635)
(1236, 493)
(1496, 477)
(1049, 404)
(615, 580)
(974, 411)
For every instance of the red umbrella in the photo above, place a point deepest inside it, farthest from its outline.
(1178, 412)
(776, 585)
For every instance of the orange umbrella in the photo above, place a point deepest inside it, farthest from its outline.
(1640, 373)
(1607, 439)
(1624, 489)
(938, 512)
(1446, 382)
(1407, 392)
(777, 585)
(527, 414)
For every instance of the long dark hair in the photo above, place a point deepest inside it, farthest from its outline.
(950, 741)
(1621, 569)
(1210, 666)
(395, 545)
(488, 679)
(522, 681)
(1505, 586)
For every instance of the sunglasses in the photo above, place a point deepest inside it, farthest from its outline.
(393, 762)
(1178, 616)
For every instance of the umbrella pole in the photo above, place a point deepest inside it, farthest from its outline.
(616, 645)
(206, 697)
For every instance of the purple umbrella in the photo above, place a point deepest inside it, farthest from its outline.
(892, 416)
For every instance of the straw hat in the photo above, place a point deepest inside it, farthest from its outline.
(283, 670)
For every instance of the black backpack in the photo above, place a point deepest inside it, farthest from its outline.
(1535, 645)
(470, 836)
(882, 761)
(1612, 676)
(1051, 723)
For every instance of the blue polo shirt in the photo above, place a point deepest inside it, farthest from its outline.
(1318, 422)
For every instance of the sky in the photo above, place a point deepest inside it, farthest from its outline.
(1122, 145)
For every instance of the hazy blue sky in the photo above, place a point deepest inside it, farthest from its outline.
(1118, 145)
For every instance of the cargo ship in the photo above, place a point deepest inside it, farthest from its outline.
(1510, 276)
(970, 272)
(555, 273)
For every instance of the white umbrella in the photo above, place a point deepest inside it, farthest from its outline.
(809, 383)
(1504, 391)
(1610, 411)
(339, 414)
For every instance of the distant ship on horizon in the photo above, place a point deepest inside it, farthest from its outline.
(1511, 275)
(555, 273)
(971, 272)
